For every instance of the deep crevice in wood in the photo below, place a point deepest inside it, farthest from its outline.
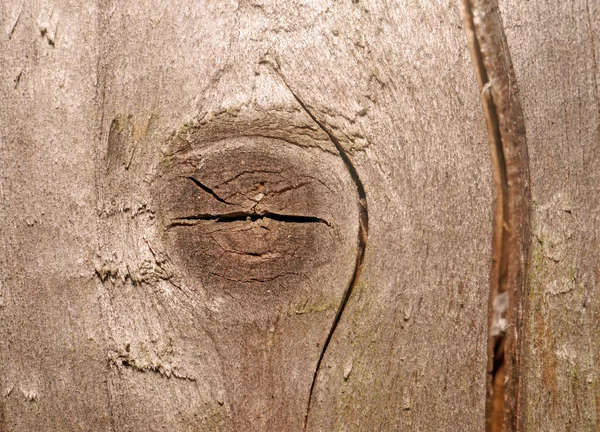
(208, 190)
(362, 243)
(496, 342)
(506, 131)
(245, 216)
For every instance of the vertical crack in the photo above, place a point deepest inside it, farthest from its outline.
(508, 147)
(496, 315)
(363, 216)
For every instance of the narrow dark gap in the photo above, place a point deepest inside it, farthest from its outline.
(245, 216)
(496, 380)
(362, 244)
(208, 190)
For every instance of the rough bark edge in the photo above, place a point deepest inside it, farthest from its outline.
(512, 199)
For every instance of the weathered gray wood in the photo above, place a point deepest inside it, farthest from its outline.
(52, 338)
(409, 352)
(108, 321)
(554, 47)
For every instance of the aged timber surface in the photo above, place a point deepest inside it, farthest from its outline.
(128, 216)
(554, 48)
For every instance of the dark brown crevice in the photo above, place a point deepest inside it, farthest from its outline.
(245, 216)
(508, 147)
(208, 190)
(362, 244)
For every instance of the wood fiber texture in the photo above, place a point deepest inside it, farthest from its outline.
(243, 216)
(554, 49)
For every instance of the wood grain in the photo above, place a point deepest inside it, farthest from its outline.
(111, 319)
(554, 50)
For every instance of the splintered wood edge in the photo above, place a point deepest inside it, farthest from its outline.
(511, 226)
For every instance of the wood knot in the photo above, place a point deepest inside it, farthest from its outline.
(257, 211)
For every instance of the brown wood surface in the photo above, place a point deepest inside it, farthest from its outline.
(554, 47)
(278, 215)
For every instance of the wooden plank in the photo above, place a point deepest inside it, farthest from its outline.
(337, 150)
(554, 47)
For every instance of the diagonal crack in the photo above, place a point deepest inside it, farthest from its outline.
(208, 190)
